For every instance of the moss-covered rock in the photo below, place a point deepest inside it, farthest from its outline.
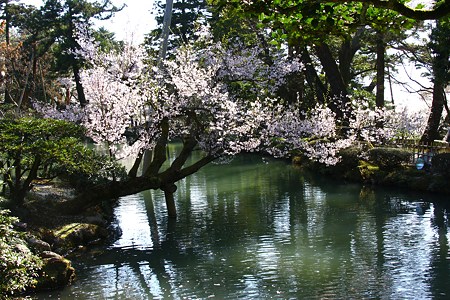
(57, 271)
(69, 237)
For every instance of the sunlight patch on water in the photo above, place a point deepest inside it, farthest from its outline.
(407, 240)
(131, 214)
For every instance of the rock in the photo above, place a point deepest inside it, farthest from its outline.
(38, 245)
(21, 248)
(56, 272)
(96, 219)
(71, 236)
(21, 226)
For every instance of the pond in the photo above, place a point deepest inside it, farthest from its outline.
(259, 228)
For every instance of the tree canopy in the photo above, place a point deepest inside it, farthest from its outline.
(294, 7)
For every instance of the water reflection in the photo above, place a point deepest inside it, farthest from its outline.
(256, 230)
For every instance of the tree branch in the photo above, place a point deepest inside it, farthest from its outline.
(437, 12)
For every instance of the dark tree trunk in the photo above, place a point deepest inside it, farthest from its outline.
(8, 98)
(437, 106)
(134, 169)
(440, 42)
(79, 86)
(339, 94)
(312, 78)
(151, 179)
(379, 100)
(347, 53)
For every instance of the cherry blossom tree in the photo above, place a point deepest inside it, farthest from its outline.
(134, 107)
(186, 99)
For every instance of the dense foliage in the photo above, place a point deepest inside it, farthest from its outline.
(389, 158)
(18, 266)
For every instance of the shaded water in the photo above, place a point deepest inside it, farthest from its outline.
(262, 229)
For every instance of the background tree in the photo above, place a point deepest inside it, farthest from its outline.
(73, 13)
(187, 15)
(332, 38)
(47, 40)
(439, 41)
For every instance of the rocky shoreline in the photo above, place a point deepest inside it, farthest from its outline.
(56, 238)
(385, 170)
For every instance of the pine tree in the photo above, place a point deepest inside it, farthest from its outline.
(186, 16)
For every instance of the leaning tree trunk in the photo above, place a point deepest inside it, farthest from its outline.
(152, 178)
(440, 39)
(437, 106)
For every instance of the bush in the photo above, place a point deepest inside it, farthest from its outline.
(97, 169)
(389, 158)
(33, 149)
(350, 157)
(441, 163)
(18, 266)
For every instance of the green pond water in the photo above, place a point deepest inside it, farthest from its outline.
(261, 229)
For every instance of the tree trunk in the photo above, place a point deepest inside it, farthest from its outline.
(347, 53)
(134, 169)
(312, 78)
(165, 31)
(437, 106)
(440, 40)
(339, 95)
(107, 192)
(169, 192)
(79, 86)
(379, 100)
(8, 98)
(150, 180)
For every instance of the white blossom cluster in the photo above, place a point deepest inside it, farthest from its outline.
(379, 125)
(73, 113)
(313, 133)
(266, 72)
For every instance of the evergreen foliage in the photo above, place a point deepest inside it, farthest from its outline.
(187, 16)
(36, 148)
(389, 158)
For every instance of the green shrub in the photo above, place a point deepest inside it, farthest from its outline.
(350, 157)
(33, 149)
(441, 163)
(389, 158)
(18, 266)
(97, 169)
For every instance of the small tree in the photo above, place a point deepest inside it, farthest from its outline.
(33, 148)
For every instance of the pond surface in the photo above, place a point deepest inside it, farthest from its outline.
(261, 229)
